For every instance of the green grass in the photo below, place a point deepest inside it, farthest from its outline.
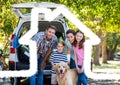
(112, 66)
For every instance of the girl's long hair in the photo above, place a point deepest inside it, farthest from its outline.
(81, 42)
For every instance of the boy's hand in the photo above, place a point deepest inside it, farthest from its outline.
(52, 64)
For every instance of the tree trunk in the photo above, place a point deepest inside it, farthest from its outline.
(96, 55)
(97, 51)
(110, 53)
(104, 53)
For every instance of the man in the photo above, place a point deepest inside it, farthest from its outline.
(44, 41)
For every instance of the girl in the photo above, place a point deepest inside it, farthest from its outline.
(78, 46)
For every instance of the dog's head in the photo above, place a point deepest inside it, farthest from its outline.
(61, 68)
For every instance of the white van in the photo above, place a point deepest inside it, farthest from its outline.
(19, 57)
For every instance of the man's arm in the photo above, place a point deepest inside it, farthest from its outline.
(50, 50)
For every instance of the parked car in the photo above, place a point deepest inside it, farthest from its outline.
(19, 57)
(117, 56)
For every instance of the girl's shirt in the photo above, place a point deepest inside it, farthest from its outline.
(79, 55)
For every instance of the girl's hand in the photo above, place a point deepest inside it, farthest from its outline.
(79, 70)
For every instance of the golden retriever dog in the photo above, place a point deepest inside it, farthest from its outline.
(65, 75)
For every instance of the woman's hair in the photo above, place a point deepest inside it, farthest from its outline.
(70, 31)
(61, 42)
(81, 42)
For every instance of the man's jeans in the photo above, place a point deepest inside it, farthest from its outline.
(39, 75)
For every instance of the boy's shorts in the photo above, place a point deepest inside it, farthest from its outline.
(53, 79)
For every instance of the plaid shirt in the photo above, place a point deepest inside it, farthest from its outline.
(42, 44)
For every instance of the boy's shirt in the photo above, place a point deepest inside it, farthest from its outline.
(57, 57)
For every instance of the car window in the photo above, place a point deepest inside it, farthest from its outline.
(42, 27)
(25, 27)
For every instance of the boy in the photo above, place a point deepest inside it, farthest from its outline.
(57, 57)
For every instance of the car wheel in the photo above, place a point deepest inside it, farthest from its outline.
(15, 81)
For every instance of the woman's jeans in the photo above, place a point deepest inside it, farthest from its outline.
(82, 78)
(72, 63)
(38, 76)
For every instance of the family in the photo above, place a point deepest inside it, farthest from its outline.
(74, 41)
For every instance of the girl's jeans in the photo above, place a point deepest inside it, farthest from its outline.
(82, 78)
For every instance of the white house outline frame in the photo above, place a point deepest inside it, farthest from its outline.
(50, 15)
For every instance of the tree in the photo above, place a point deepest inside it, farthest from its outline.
(113, 41)
(7, 22)
(101, 16)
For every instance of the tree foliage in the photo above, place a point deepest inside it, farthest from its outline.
(101, 16)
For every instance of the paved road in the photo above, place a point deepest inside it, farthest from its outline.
(103, 82)
(5, 82)
(90, 81)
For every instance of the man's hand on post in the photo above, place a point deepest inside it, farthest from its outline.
(42, 65)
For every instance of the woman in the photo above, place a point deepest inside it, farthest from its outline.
(70, 34)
